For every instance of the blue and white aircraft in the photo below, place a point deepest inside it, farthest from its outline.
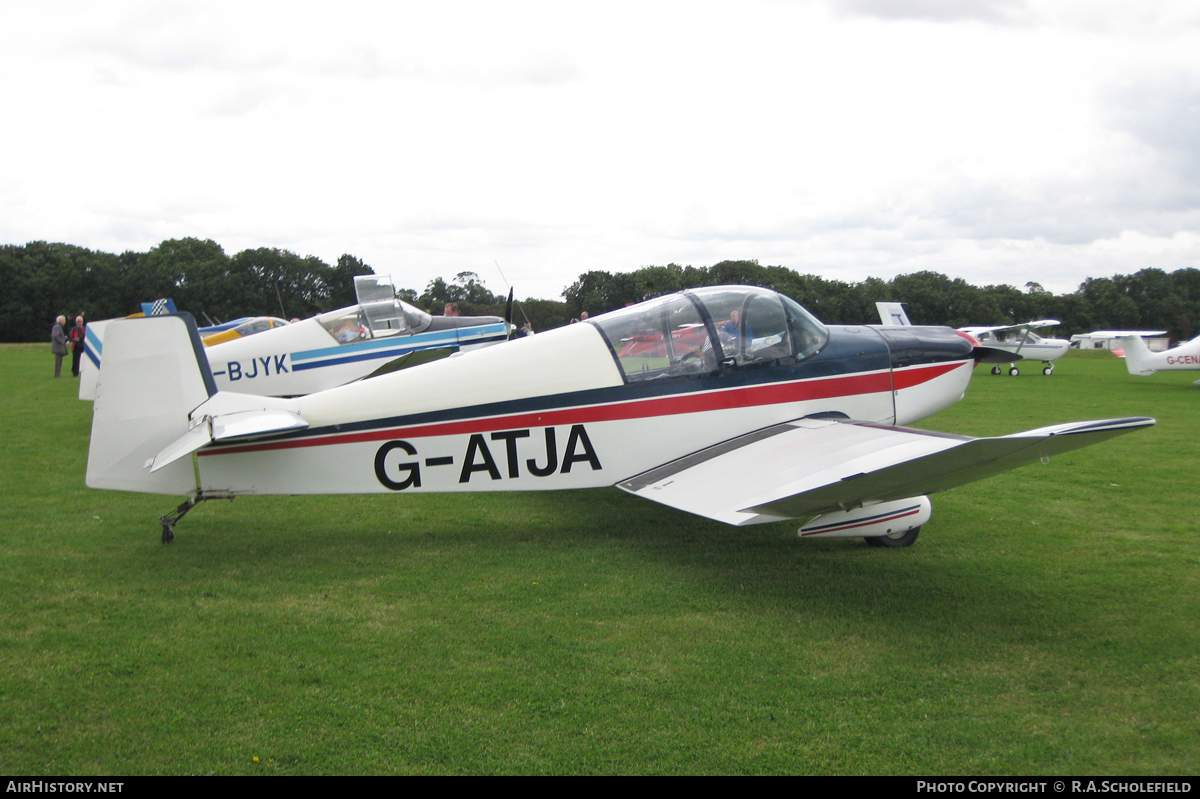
(735, 404)
(379, 335)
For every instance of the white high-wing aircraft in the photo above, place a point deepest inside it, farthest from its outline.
(1022, 344)
(1018, 341)
(730, 402)
(381, 334)
(1139, 360)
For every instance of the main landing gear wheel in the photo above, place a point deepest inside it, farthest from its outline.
(894, 540)
(1047, 370)
(996, 370)
(1013, 371)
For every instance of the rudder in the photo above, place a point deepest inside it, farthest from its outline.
(1137, 356)
(155, 373)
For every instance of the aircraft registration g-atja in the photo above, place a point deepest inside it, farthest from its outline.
(1008, 343)
(379, 335)
(732, 402)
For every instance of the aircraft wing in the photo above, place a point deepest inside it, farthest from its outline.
(1121, 333)
(812, 466)
(1021, 326)
(411, 359)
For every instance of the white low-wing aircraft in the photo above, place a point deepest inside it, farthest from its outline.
(1018, 341)
(379, 335)
(1139, 360)
(729, 402)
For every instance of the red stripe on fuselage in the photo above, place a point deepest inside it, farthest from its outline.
(916, 375)
(772, 394)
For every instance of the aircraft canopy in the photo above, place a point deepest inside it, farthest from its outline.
(379, 313)
(693, 332)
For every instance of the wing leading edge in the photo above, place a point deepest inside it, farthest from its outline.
(812, 466)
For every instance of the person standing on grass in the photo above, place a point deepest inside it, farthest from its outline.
(58, 344)
(76, 335)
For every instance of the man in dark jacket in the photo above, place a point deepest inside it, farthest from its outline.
(76, 336)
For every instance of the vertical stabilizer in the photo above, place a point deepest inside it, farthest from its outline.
(155, 373)
(892, 314)
(89, 364)
(1137, 356)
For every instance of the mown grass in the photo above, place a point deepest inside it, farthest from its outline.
(1045, 622)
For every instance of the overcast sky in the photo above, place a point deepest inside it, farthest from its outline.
(1002, 141)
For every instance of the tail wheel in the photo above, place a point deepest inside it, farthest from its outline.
(894, 540)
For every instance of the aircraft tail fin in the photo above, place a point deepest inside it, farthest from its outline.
(892, 314)
(155, 373)
(89, 364)
(1137, 356)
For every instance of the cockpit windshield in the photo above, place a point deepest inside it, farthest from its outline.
(259, 324)
(379, 313)
(1010, 335)
(701, 330)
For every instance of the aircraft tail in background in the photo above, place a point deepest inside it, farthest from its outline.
(1137, 356)
(892, 314)
(155, 374)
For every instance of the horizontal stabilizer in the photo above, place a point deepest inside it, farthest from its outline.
(810, 466)
(250, 424)
(228, 416)
(195, 438)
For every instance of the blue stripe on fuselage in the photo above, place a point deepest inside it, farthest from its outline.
(466, 335)
(390, 353)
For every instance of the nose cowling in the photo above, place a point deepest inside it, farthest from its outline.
(913, 345)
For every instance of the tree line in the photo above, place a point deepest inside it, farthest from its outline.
(41, 280)
(1148, 299)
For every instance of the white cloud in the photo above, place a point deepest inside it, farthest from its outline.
(997, 141)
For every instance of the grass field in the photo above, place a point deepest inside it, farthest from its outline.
(1045, 622)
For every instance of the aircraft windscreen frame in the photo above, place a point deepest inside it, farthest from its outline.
(674, 336)
(374, 320)
(1010, 336)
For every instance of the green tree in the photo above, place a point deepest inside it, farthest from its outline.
(341, 282)
(284, 284)
(472, 296)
